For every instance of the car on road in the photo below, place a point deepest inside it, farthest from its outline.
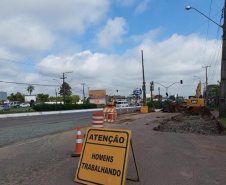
(15, 104)
(122, 104)
(24, 105)
(5, 107)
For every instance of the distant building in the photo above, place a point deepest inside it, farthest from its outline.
(3, 96)
(28, 98)
(97, 96)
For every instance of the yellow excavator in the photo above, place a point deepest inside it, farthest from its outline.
(196, 101)
(112, 102)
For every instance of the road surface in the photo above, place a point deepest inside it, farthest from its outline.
(15, 129)
(163, 158)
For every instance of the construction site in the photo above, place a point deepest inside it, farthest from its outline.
(183, 146)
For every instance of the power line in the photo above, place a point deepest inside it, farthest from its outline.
(20, 83)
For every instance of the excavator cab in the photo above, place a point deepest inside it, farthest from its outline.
(196, 101)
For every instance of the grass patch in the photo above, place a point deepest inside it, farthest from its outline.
(12, 111)
(223, 120)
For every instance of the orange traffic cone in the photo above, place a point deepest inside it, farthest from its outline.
(120, 111)
(127, 111)
(79, 144)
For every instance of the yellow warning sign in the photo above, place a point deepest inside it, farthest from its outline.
(104, 157)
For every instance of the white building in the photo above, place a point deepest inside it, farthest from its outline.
(28, 98)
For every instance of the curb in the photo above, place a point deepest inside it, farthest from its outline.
(13, 115)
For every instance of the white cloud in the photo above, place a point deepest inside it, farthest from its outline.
(176, 58)
(126, 3)
(69, 16)
(147, 36)
(111, 34)
(30, 29)
(142, 7)
(24, 35)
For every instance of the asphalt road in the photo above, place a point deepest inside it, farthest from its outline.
(46, 119)
(163, 158)
(15, 129)
(42, 119)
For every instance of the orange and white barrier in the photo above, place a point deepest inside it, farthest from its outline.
(79, 144)
(110, 114)
(98, 119)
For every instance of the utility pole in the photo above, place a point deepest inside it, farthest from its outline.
(83, 92)
(159, 93)
(63, 88)
(56, 95)
(144, 87)
(206, 83)
(88, 92)
(64, 84)
(222, 103)
(151, 89)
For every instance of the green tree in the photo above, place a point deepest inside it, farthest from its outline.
(30, 89)
(12, 97)
(75, 98)
(16, 97)
(42, 97)
(67, 89)
(213, 90)
(68, 99)
(52, 98)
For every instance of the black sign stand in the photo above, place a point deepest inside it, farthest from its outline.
(134, 159)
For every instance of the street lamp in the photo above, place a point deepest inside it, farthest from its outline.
(57, 81)
(199, 79)
(189, 7)
(222, 105)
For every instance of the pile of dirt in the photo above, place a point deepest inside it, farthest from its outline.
(174, 107)
(197, 121)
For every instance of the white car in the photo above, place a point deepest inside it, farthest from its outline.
(122, 104)
(24, 105)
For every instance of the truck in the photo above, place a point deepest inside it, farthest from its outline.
(197, 100)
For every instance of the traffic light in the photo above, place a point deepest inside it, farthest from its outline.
(151, 86)
(181, 81)
(167, 94)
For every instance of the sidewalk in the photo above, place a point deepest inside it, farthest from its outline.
(215, 113)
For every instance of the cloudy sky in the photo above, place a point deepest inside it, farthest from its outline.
(100, 42)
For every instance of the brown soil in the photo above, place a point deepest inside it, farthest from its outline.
(197, 120)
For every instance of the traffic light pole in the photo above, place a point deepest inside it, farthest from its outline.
(181, 82)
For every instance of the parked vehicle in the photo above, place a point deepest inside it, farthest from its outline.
(141, 103)
(122, 104)
(24, 105)
(5, 107)
(15, 104)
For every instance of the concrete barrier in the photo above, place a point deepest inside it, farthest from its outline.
(53, 112)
